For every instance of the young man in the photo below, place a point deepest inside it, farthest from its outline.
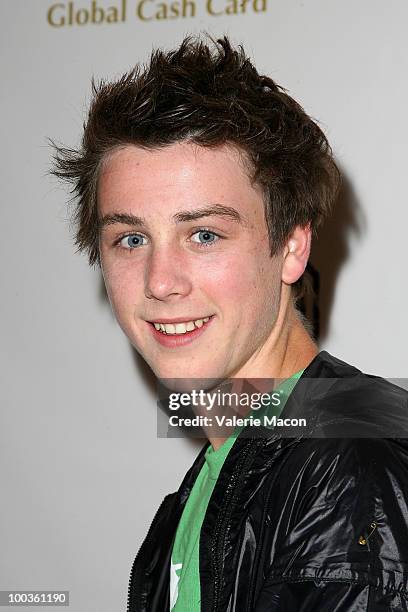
(199, 184)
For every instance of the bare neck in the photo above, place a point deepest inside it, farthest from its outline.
(288, 350)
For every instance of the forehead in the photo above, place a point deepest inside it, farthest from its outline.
(179, 173)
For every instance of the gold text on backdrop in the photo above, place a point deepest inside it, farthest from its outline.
(147, 10)
(235, 7)
(62, 14)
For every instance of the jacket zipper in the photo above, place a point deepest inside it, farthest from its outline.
(221, 527)
(132, 588)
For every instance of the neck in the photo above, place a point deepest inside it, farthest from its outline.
(288, 349)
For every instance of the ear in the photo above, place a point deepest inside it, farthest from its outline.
(296, 253)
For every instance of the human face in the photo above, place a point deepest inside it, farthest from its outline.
(160, 267)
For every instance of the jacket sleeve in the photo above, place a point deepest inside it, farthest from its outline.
(344, 542)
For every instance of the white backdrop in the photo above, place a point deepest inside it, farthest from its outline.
(81, 468)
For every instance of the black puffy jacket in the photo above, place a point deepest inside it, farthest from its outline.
(305, 524)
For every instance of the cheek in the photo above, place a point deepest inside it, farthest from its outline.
(121, 285)
(247, 279)
(225, 277)
(269, 287)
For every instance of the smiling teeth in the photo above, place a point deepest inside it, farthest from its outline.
(180, 328)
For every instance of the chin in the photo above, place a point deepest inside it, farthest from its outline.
(178, 378)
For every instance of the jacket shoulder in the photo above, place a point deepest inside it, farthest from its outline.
(341, 401)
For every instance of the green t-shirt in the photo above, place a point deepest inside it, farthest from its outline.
(184, 570)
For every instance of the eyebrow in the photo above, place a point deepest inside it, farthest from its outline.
(208, 211)
(180, 217)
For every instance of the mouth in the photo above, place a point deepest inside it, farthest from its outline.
(176, 332)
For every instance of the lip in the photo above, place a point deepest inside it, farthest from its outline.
(176, 340)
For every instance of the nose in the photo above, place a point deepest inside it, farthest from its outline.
(166, 274)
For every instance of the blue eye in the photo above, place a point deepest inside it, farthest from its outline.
(207, 237)
(131, 241)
